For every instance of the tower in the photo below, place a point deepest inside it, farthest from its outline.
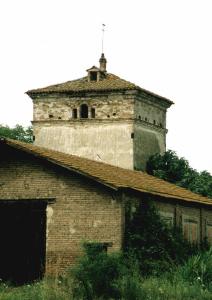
(101, 117)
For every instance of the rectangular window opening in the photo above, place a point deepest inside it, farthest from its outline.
(93, 76)
(93, 113)
(96, 248)
(167, 217)
(74, 113)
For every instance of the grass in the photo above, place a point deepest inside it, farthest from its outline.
(48, 289)
(191, 281)
(152, 288)
(164, 289)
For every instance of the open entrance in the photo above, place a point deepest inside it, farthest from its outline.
(22, 241)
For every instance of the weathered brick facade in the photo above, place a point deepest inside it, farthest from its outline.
(195, 219)
(55, 202)
(78, 209)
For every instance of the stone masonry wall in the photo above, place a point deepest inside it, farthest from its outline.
(106, 138)
(125, 131)
(110, 142)
(83, 210)
(149, 130)
(151, 113)
(148, 140)
(111, 106)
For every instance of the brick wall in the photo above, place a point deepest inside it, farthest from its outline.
(195, 219)
(82, 211)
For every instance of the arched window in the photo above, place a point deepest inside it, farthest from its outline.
(84, 111)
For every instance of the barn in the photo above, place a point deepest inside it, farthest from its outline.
(52, 202)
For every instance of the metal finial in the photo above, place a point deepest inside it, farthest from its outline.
(103, 32)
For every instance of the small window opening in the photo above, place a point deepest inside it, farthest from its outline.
(93, 112)
(33, 138)
(132, 135)
(51, 116)
(59, 118)
(114, 114)
(93, 76)
(139, 117)
(84, 111)
(93, 249)
(74, 113)
(145, 119)
(108, 116)
(154, 122)
(161, 125)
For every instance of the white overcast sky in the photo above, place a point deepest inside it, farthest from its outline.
(164, 46)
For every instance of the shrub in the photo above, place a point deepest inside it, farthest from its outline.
(198, 269)
(96, 275)
(155, 245)
(130, 285)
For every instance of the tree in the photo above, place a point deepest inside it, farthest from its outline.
(17, 133)
(155, 244)
(177, 170)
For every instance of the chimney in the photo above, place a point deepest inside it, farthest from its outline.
(102, 63)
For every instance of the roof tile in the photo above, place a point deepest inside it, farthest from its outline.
(110, 82)
(115, 177)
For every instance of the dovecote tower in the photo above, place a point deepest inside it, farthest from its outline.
(101, 117)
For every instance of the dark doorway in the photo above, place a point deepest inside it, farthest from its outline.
(22, 241)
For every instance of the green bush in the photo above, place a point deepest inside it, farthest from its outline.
(96, 275)
(99, 275)
(130, 286)
(157, 246)
(198, 269)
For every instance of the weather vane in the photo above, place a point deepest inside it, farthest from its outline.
(103, 32)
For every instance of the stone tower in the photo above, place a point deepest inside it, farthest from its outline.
(101, 117)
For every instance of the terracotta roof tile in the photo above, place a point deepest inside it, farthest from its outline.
(112, 176)
(111, 82)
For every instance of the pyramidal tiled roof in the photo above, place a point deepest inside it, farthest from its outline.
(110, 82)
(114, 177)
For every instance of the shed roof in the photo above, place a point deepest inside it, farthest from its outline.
(114, 177)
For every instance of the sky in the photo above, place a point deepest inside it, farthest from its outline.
(164, 46)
